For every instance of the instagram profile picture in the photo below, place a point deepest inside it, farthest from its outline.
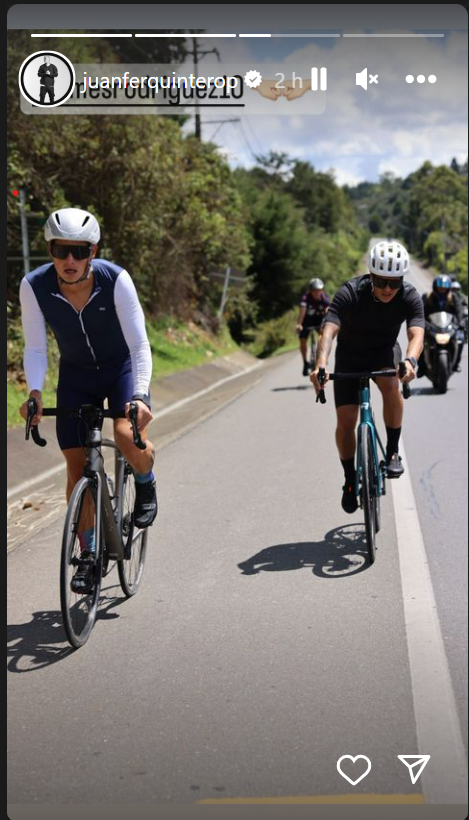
(46, 79)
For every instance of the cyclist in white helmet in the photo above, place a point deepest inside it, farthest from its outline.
(95, 314)
(365, 316)
(314, 305)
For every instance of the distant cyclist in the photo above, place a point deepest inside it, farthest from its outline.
(444, 296)
(94, 312)
(314, 305)
(366, 315)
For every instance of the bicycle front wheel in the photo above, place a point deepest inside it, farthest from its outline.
(134, 540)
(79, 610)
(314, 350)
(368, 490)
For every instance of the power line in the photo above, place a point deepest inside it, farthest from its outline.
(221, 123)
(246, 140)
(248, 122)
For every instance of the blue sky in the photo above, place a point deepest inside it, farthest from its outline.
(393, 126)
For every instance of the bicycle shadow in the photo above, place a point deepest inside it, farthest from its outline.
(342, 553)
(42, 642)
(426, 391)
(297, 387)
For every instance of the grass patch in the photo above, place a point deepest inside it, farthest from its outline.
(275, 336)
(179, 346)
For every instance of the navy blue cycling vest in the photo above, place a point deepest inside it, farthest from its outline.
(92, 337)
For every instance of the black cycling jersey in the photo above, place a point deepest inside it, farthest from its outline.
(366, 324)
(316, 309)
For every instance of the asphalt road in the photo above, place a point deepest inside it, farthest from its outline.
(261, 646)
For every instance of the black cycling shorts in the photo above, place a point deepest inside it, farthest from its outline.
(77, 386)
(303, 334)
(347, 391)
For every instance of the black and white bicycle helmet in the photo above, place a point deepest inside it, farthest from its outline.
(316, 284)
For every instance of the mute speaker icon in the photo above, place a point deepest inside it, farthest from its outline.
(361, 78)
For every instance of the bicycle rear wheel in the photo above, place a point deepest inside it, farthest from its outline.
(368, 491)
(79, 610)
(134, 540)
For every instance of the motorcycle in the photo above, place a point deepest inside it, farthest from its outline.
(440, 350)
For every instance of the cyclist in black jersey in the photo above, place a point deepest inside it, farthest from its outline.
(314, 305)
(365, 316)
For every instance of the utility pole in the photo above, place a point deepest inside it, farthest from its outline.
(443, 229)
(196, 54)
(24, 231)
(225, 292)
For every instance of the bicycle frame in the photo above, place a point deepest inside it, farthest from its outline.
(110, 527)
(367, 417)
(110, 524)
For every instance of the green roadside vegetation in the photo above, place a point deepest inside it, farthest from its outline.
(427, 210)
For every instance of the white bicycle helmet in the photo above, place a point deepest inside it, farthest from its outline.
(388, 259)
(316, 284)
(73, 224)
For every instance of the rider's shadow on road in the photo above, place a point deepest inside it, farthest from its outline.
(42, 642)
(342, 553)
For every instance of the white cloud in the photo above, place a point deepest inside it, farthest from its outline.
(391, 126)
(344, 177)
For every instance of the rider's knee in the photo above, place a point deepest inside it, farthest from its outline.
(76, 460)
(347, 419)
(389, 387)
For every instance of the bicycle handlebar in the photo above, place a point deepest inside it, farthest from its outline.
(80, 413)
(401, 371)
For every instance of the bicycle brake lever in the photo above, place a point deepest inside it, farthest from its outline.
(32, 407)
(133, 413)
(405, 386)
(35, 434)
(321, 396)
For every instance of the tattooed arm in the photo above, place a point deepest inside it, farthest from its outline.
(329, 333)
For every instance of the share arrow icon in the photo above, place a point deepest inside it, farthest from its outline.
(415, 764)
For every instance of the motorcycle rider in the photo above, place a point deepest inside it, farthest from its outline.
(442, 297)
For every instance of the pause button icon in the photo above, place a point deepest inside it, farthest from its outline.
(318, 79)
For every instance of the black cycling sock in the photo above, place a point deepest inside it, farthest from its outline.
(349, 469)
(392, 446)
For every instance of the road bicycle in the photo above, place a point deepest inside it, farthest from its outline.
(104, 505)
(370, 469)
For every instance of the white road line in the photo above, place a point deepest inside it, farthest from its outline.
(31, 482)
(444, 779)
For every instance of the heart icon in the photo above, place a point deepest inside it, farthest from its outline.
(353, 759)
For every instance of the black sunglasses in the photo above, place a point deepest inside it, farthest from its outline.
(381, 283)
(77, 251)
